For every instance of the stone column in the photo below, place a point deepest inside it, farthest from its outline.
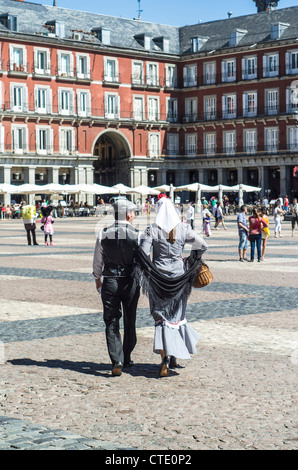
(53, 175)
(29, 177)
(283, 180)
(7, 180)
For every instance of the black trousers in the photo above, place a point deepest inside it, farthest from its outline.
(120, 293)
(30, 229)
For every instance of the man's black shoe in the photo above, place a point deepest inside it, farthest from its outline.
(117, 369)
(128, 364)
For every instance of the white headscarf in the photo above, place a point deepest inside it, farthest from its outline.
(167, 217)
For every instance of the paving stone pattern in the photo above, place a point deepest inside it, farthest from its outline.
(56, 388)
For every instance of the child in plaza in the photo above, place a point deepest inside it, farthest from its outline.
(47, 221)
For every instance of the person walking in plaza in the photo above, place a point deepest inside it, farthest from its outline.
(47, 221)
(243, 233)
(265, 232)
(190, 215)
(114, 258)
(167, 283)
(278, 212)
(256, 223)
(220, 216)
(29, 217)
(206, 216)
(294, 210)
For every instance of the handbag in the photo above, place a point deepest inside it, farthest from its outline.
(42, 227)
(203, 278)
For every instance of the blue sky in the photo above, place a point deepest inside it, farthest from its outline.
(171, 12)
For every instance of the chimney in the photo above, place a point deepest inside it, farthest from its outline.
(266, 5)
(19, 0)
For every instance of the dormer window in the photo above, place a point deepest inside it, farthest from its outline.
(144, 40)
(278, 29)
(236, 36)
(103, 34)
(162, 43)
(56, 27)
(198, 42)
(9, 21)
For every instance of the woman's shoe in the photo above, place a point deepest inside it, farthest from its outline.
(164, 367)
(173, 362)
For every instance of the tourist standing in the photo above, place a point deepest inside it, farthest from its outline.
(243, 233)
(265, 232)
(255, 233)
(278, 212)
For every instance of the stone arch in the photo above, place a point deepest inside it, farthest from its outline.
(111, 148)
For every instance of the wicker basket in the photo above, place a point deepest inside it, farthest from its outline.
(203, 278)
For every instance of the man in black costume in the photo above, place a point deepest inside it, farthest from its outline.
(114, 258)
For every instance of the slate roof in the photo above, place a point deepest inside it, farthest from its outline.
(258, 27)
(32, 17)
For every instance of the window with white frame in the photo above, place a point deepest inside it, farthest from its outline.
(229, 106)
(191, 144)
(271, 101)
(250, 140)
(228, 70)
(250, 103)
(209, 73)
(19, 137)
(44, 140)
(210, 107)
(292, 99)
(292, 137)
(171, 76)
(191, 109)
(210, 142)
(43, 99)
(111, 70)
(138, 108)
(173, 144)
(65, 64)
(83, 66)
(18, 97)
(152, 77)
(84, 103)
(172, 109)
(271, 139)
(66, 101)
(137, 72)
(42, 61)
(66, 140)
(17, 57)
(154, 144)
(229, 142)
(271, 65)
(190, 75)
(249, 68)
(292, 62)
(112, 105)
(153, 108)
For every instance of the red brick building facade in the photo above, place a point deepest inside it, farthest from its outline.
(148, 104)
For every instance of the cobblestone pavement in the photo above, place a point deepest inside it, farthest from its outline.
(56, 390)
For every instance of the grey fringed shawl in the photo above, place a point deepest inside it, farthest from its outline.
(165, 292)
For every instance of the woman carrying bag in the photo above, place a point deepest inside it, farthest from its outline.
(167, 282)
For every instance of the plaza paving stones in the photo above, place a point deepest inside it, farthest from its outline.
(56, 390)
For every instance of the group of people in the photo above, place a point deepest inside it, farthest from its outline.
(122, 266)
(12, 211)
(257, 230)
(29, 216)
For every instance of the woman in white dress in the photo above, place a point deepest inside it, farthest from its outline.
(278, 212)
(168, 284)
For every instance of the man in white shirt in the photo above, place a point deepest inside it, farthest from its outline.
(190, 215)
